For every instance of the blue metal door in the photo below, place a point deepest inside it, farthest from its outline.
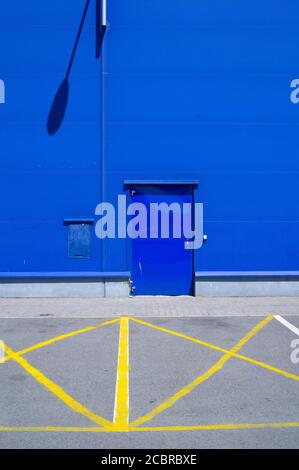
(162, 266)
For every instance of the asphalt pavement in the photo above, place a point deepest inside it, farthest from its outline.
(161, 382)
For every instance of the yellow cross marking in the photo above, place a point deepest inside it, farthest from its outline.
(121, 409)
(203, 377)
(217, 348)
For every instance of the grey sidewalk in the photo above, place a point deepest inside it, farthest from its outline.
(148, 306)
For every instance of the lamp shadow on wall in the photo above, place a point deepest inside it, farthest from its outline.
(60, 102)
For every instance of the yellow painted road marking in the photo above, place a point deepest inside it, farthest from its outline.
(121, 407)
(216, 427)
(56, 389)
(122, 389)
(217, 348)
(60, 338)
(204, 427)
(203, 377)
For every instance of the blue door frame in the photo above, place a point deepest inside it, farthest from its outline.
(162, 266)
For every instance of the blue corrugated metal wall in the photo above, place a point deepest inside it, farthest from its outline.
(47, 178)
(184, 89)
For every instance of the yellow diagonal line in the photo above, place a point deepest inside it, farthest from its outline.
(60, 338)
(121, 408)
(203, 377)
(56, 389)
(217, 348)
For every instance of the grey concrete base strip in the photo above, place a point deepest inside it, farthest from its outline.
(247, 288)
(84, 289)
(88, 288)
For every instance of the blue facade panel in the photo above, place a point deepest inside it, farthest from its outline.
(201, 91)
(181, 90)
(46, 178)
